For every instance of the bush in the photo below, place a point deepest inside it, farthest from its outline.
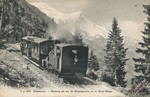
(109, 78)
(92, 75)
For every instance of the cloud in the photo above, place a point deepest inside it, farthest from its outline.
(131, 29)
(68, 6)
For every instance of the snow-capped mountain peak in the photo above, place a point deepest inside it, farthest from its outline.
(73, 21)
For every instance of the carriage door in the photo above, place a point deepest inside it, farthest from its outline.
(58, 52)
(29, 49)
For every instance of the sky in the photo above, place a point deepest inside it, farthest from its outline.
(129, 13)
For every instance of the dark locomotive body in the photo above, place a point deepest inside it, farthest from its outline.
(71, 60)
(67, 60)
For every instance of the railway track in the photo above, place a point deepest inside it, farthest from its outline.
(80, 81)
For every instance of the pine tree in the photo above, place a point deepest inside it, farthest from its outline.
(77, 38)
(115, 58)
(93, 66)
(142, 65)
(93, 62)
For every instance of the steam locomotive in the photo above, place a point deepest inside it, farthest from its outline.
(67, 60)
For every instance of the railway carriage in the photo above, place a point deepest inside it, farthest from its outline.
(67, 60)
(36, 48)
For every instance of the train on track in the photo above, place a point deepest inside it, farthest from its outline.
(67, 60)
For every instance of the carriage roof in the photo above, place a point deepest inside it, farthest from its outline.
(67, 45)
(34, 39)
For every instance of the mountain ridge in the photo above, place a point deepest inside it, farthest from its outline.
(71, 21)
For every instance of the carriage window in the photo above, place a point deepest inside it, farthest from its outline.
(36, 47)
(58, 52)
(44, 49)
(24, 44)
